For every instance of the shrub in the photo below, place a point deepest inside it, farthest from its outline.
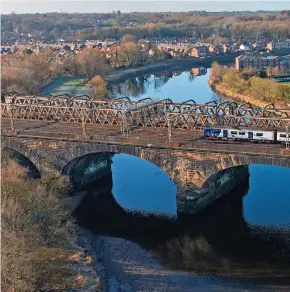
(36, 231)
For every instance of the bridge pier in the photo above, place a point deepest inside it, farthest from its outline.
(193, 200)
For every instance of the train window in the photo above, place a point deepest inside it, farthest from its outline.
(259, 134)
(242, 133)
(234, 132)
(217, 131)
(283, 135)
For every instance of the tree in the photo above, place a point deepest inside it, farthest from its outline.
(98, 87)
(217, 72)
(128, 38)
(90, 62)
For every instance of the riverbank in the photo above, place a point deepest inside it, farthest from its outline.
(176, 64)
(248, 87)
(230, 94)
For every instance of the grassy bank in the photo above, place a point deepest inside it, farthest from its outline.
(38, 242)
(249, 86)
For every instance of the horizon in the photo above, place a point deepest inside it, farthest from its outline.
(87, 6)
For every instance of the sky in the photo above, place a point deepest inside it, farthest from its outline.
(28, 6)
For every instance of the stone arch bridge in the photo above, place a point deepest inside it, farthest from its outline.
(200, 176)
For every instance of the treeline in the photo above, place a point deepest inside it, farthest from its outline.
(248, 83)
(233, 26)
(21, 72)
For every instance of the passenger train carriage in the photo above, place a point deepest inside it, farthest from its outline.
(259, 135)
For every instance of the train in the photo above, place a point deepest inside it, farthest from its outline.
(254, 135)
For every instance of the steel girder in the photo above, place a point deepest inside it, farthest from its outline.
(145, 112)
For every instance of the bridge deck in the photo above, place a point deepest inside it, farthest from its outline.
(143, 136)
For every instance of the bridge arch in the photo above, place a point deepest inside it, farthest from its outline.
(97, 164)
(22, 160)
(229, 161)
(27, 157)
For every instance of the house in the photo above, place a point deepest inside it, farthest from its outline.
(234, 47)
(216, 49)
(199, 51)
(279, 45)
(244, 47)
(67, 48)
(259, 46)
(180, 48)
(151, 52)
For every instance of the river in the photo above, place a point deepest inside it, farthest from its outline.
(241, 243)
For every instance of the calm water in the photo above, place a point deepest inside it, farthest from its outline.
(244, 235)
(179, 87)
(141, 186)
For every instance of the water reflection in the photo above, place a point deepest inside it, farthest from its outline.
(142, 186)
(179, 86)
(267, 201)
(217, 241)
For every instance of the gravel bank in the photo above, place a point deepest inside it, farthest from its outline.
(124, 266)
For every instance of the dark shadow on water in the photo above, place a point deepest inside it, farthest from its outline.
(216, 242)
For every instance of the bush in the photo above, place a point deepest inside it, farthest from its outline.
(36, 232)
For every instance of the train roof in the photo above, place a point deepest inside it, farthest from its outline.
(246, 128)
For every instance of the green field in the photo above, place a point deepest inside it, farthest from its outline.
(67, 85)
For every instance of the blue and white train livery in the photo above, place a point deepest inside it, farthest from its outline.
(245, 134)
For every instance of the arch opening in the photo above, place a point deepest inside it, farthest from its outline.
(136, 184)
(22, 160)
(266, 203)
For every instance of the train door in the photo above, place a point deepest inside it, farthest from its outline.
(250, 135)
(225, 133)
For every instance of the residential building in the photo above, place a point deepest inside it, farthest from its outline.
(284, 65)
(199, 51)
(216, 49)
(244, 47)
(262, 62)
(258, 46)
(278, 45)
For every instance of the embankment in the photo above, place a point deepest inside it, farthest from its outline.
(229, 93)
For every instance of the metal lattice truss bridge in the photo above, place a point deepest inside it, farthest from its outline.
(145, 112)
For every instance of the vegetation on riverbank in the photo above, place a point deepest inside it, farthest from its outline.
(249, 86)
(38, 240)
(25, 71)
